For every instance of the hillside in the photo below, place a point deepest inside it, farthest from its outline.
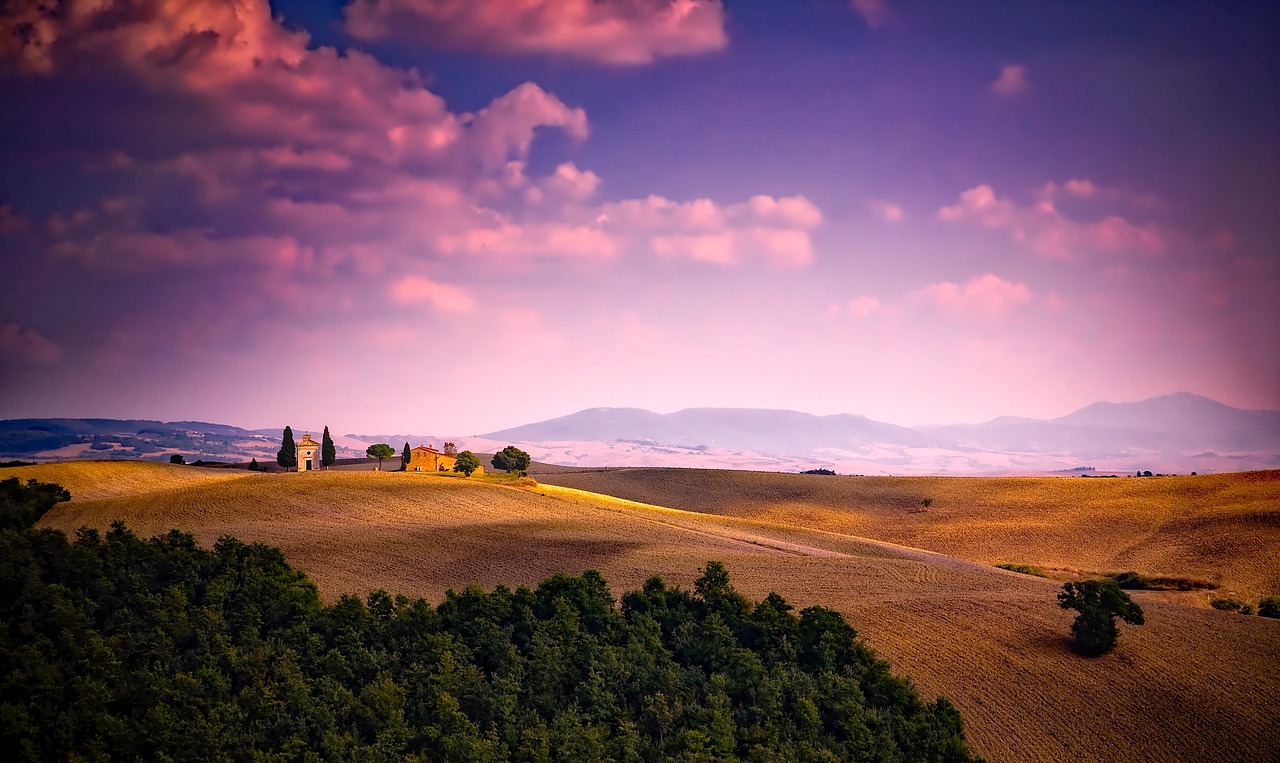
(993, 642)
(1220, 528)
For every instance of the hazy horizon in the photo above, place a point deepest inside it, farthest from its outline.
(445, 217)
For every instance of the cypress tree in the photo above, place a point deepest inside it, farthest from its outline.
(328, 453)
(404, 458)
(288, 454)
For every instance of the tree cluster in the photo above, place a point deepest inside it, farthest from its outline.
(114, 647)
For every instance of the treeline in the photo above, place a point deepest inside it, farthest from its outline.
(114, 647)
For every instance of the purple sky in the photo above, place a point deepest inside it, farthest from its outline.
(453, 216)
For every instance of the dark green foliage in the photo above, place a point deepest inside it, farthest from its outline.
(511, 459)
(379, 451)
(1269, 607)
(288, 453)
(21, 506)
(1227, 605)
(177, 458)
(112, 647)
(1025, 569)
(1099, 602)
(1135, 581)
(328, 453)
(826, 472)
(254, 466)
(404, 457)
(466, 463)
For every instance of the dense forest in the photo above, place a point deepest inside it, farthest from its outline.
(117, 648)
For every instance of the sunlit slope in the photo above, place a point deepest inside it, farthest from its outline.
(1191, 685)
(1222, 528)
(91, 480)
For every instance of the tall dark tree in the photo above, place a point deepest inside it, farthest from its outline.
(404, 458)
(1099, 602)
(379, 451)
(450, 449)
(287, 456)
(328, 453)
(511, 459)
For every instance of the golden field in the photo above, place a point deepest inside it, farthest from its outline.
(1221, 528)
(1192, 684)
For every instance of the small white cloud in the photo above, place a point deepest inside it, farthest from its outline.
(1011, 82)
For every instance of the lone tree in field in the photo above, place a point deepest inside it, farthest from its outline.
(450, 449)
(1099, 602)
(328, 453)
(511, 459)
(379, 451)
(177, 458)
(404, 458)
(287, 456)
(466, 463)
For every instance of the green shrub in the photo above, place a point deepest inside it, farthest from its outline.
(1025, 569)
(1269, 606)
(1227, 605)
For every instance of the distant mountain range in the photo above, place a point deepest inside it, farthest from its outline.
(1181, 432)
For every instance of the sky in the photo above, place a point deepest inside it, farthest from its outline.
(456, 216)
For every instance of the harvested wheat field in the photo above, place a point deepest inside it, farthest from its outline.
(1190, 685)
(1222, 528)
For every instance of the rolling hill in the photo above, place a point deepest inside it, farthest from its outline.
(992, 641)
(1223, 529)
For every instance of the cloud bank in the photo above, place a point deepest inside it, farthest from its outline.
(615, 32)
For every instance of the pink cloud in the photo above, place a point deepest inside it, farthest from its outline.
(863, 306)
(874, 12)
(413, 289)
(619, 32)
(25, 346)
(129, 250)
(550, 240)
(716, 248)
(11, 223)
(887, 211)
(1087, 190)
(1046, 231)
(775, 230)
(986, 294)
(1011, 82)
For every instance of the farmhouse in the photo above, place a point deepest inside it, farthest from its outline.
(425, 458)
